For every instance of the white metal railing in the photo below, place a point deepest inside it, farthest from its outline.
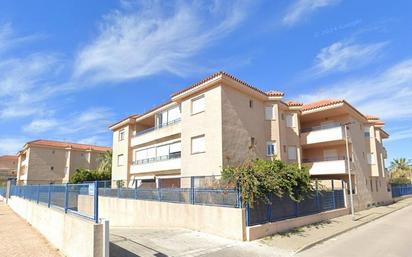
(138, 133)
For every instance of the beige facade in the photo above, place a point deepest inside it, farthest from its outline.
(8, 167)
(44, 161)
(222, 121)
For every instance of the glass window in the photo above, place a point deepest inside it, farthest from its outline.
(289, 121)
(250, 103)
(367, 133)
(120, 160)
(198, 104)
(175, 147)
(292, 153)
(270, 148)
(198, 144)
(269, 113)
(371, 158)
(121, 135)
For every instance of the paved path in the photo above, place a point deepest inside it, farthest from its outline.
(303, 237)
(19, 239)
(389, 236)
(127, 242)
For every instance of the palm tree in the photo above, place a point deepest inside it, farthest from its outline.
(401, 164)
(105, 164)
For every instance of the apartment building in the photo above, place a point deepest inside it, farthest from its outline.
(8, 167)
(44, 161)
(222, 120)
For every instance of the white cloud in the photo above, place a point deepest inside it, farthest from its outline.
(344, 56)
(92, 123)
(11, 145)
(386, 94)
(303, 8)
(400, 134)
(155, 37)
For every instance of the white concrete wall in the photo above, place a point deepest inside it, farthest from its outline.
(221, 221)
(72, 235)
(267, 229)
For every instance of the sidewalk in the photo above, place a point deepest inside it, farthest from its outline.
(19, 239)
(305, 237)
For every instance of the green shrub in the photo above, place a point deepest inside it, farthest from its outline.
(258, 178)
(83, 175)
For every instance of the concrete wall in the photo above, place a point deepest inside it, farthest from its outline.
(221, 221)
(72, 235)
(122, 147)
(260, 231)
(206, 123)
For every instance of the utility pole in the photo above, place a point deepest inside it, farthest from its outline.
(348, 168)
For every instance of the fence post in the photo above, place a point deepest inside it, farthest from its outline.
(135, 189)
(38, 193)
(334, 196)
(66, 197)
(238, 196)
(269, 209)
(317, 196)
(96, 202)
(192, 190)
(49, 196)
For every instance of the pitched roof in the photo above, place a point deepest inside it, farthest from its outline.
(133, 116)
(372, 117)
(321, 103)
(9, 157)
(59, 144)
(293, 103)
(225, 74)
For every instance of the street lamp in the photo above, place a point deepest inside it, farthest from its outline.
(352, 209)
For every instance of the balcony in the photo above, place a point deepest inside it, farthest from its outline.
(157, 164)
(154, 133)
(316, 135)
(384, 153)
(332, 166)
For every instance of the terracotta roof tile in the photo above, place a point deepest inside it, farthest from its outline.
(321, 103)
(222, 73)
(274, 93)
(9, 157)
(294, 103)
(59, 144)
(372, 117)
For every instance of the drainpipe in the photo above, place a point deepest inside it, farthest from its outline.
(352, 209)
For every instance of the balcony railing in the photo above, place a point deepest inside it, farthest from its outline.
(316, 128)
(171, 156)
(325, 159)
(157, 127)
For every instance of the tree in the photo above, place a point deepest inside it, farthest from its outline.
(105, 162)
(83, 175)
(400, 171)
(258, 178)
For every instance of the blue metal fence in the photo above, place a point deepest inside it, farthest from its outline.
(200, 196)
(281, 208)
(401, 190)
(3, 191)
(61, 196)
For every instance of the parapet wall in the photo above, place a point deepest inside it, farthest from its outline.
(73, 235)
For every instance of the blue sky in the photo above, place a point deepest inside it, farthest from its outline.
(68, 69)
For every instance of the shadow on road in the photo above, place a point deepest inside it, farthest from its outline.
(118, 251)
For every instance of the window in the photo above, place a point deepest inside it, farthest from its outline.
(270, 113)
(371, 185)
(82, 154)
(250, 103)
(167, 116)
(198, 104)
(289, 121)
(53, 151)
(271, 148)
(371, 158)
(252, 142)
(51, 168)
(198, 144)
(367, 133)
(120, 160)
(284, 148)
(292, 153)
(121, 135)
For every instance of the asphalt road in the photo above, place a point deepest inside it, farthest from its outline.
(389, 236)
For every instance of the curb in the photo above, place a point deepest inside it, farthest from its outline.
(310, 245)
